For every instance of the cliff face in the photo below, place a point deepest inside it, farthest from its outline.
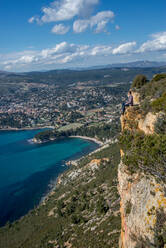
(143, 196)
(142, 202)
(134, 120)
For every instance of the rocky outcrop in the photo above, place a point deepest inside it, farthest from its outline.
(130, 118)
(147, 124)
(136, 97)
(142, 201)
(134, 120)
(143, 198)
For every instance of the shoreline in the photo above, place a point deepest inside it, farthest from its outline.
(74, 162)
(53, 183)
(100, 143)
(88, 138)
(69, 164)
(25, 129)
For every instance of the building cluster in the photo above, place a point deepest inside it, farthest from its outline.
(39, 105)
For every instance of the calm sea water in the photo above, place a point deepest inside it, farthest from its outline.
(28, 170)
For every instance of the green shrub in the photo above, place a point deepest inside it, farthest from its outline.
(153, 90)
(158, 77)
(128, 207)
(144, 153)
(75, 219)
(159, 104)
(160, 125)
(102, 206)
(145, 105)
(139, 81)
(160, 228)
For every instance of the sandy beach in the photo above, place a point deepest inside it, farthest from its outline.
(88, 138)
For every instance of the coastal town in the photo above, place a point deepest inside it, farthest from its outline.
(39, 105)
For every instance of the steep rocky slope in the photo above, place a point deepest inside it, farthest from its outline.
(142, 171)
(83, 211)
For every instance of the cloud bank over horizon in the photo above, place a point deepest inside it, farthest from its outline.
(66, 54)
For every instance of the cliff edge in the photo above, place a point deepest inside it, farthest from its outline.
(142, 170)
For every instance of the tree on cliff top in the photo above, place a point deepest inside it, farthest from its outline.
(139, 81)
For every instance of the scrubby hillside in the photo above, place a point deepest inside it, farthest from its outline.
(82, 212)
(142, 171)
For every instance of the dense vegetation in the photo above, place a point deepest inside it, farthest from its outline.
(153, 94)
(142, 151)
(139, 81)
(101, 131)
(82, 212)
(160, 76)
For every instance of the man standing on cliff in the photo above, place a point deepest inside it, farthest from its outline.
(128, 103)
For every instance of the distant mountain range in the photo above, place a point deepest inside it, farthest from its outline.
(114, 73)
(135, 64)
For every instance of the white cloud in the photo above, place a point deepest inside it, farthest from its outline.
(117, 27)
(62, 10)
(66, 54)
(99, 22)
(101, 27)
(31, 20)
(103, 15)
(157, 43)
(62, 53)
(101, 50)
(26, 59)
(60, 29)
(124, 48)
(80, 26)
(60, 48)
(8, 67)
(65, 10)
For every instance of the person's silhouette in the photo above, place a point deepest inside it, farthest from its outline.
(128, 103)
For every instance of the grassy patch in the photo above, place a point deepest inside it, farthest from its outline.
(70, 126)
(159, 104)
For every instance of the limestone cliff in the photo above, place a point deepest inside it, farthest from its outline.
(143, 201)
(142, 190)
(133, 119)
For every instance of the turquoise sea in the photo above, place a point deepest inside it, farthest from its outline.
(28, 171)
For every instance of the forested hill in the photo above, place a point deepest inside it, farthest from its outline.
(65, 77)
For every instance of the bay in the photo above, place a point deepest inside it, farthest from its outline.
(28, 171)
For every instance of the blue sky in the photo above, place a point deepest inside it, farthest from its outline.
(43, 34)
